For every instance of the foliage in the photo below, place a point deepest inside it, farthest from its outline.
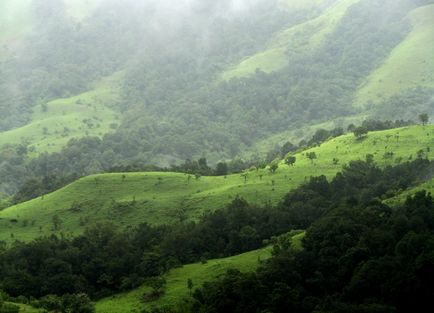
(356, 258)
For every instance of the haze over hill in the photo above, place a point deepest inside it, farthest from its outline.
(212, 156)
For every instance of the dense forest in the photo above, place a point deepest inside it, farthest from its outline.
(173, 104)
(196, 107)
(350, 233)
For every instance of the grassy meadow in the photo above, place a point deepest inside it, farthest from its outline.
(176, 282)
(158, 198)
(410, 65)
(55, 123)
(300, 38)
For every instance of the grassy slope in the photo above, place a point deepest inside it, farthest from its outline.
(294, 40)
(68, 113)
(176, 288)
(428, 186)
(15, 22)
(160, 196)
(409, 65)
(262, 147)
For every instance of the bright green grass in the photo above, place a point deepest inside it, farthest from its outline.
(294, 40)
(87, 114)
(160, 196)
(176, 282)
(410, 64)
(399, 199)
(176, 287)
(262, 147)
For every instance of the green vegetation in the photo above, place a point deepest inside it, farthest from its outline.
(55, 123)
(176, 288)
(402, 197)
(371, 257)
(158, 198)
(336, 212)
(409, 65)
(295, 40)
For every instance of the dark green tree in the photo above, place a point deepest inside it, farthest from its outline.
(290, 160)
(424, 118)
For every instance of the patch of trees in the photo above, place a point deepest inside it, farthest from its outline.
(168, 106)
(105, 260)
(356, 258)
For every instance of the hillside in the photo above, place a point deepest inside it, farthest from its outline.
(296, 40)
(55, 123)
(158, 198)
(176, 282)
(401, 198)
(409, 65)
(166, 93)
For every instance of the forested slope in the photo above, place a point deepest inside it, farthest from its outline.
(158, 198)
(115, 84)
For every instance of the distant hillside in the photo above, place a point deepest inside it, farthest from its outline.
(298, 39)
(217, 80)
(132, 198)
(409, 65)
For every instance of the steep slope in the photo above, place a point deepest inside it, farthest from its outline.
(427, 186)
(295, 40)
(55, 123)
(410, 64)
(176, 282)
(158, 198)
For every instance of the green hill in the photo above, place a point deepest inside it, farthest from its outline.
(176, 282)
(55, 123)
(298, 39)
(399, 199)
(410, 64)
(158, 198)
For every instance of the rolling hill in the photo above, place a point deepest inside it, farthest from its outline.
(410, 64)
(53, 124)
(132, 198)
(297, 39)
(176, 281)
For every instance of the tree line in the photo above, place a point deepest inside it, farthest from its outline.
(105, 260)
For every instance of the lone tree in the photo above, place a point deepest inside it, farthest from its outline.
(190, 285)
(311, 156)
(360, 132)
(274, 166)
(424, 118)
(56, 222)
(290, 160)
(221, 169)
